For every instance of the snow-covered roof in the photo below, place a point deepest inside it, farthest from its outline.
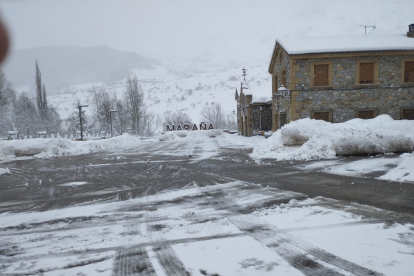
(329, 44)
(261, 94)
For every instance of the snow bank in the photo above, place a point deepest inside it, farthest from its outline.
(316, 139)
(4, 171)
(184, 134)
(40, 148)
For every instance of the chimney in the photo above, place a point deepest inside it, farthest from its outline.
(410, 31)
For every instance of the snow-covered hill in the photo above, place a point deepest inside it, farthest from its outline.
(167, 91)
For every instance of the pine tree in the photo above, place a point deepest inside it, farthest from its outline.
(38, 80)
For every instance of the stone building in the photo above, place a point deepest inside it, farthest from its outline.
(340, 78)
(254, 109)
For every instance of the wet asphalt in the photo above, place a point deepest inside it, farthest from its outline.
(42, 184)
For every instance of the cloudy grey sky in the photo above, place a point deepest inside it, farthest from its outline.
(182, 27)
(136, 25)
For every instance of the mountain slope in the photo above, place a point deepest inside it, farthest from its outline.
(64, 66)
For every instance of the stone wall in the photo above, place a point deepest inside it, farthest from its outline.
(345, 71)
(343, 103)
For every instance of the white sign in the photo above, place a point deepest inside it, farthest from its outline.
(188, 127)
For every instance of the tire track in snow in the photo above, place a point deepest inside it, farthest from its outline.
(166, 255)
(132, 260)
(302, 255)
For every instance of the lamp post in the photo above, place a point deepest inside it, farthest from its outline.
(80, 118)
(234, 118)
(110, 116)
(283, 91)
(260, 118)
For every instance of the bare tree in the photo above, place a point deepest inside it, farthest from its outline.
(25, 116)
(176, 118)
(101, 103)
(231, 121)
(151, 124)
(214, 114)
(134, 101)
(6, 94)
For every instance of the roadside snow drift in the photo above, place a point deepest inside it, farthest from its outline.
(318, 139)
(41, 148)
(184, 134)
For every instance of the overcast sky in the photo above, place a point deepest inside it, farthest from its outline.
(160, 27)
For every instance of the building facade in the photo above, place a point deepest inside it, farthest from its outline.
(254, 111)
(340, 78)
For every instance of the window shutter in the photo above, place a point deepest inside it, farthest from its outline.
(321, 115)
(275, 85)
(408, 114)
(366, 114)
(409, 71)
(366, 73)
(321, 75)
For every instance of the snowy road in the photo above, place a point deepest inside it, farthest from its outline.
(200, 207)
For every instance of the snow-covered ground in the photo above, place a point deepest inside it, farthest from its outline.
(202, 228)
(308, 140)
(196, 229)
(400, 168)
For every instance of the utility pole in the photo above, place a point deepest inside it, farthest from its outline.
(80, 118)
(110, 116)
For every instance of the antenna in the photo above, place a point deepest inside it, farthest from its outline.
(244, 73)
(367, 26)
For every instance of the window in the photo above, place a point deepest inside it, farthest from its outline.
(321, 74)
(407, 113)
(366, 113)
(366, 73)
(284, 78)
(282, 119)
(275, 85)
(321, 115)
(409, 71)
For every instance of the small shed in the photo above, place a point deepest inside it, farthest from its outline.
(13, 135)
(41, 134)
(78, 136)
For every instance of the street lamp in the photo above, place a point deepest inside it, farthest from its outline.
(80, 118)
(283, 91)
(110, 116)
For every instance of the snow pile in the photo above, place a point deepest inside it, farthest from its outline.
(322, 140)
(185, 134)
(41, 148)
(4, 171)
